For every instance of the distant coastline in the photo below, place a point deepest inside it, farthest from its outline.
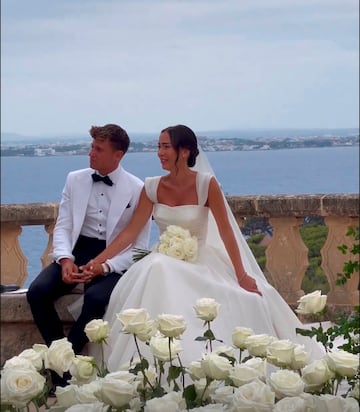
(208, 144)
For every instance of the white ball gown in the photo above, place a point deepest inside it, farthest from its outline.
(162, 284)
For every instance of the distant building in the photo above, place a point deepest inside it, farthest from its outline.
(49, 151)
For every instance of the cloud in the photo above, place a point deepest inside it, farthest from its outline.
(211, 64)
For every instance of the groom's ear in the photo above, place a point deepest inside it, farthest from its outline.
(119, 154)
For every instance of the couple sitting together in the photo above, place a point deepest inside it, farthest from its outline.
(105, 213)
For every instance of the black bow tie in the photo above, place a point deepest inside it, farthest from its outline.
(105, 179)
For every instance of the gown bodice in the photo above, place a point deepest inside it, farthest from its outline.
(191, 217)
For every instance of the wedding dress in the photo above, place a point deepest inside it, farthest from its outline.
(166, 285)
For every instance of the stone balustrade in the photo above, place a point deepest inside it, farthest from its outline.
(286, 254)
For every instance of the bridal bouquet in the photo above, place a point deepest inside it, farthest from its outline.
(224, 378)
(178, 243)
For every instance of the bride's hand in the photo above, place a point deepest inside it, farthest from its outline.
(92, 269)
(248, 283)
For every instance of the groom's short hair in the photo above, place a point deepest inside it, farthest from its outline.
(115, 134)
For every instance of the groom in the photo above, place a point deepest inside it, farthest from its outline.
(96, 204)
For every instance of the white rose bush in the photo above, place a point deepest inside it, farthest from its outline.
(257, 373)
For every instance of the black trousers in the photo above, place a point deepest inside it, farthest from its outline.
(48, 286)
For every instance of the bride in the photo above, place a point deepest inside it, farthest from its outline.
(225, 269)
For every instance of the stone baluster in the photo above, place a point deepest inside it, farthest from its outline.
(13, 261)
(333, 261)
(45, 258)
(287, 257)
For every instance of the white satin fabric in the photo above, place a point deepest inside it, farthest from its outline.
(162, 284)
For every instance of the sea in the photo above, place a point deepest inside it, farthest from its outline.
(259, 172)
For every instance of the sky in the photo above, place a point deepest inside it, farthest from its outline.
(209, 64)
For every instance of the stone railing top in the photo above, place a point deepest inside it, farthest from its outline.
(295, 205)
(29, 213)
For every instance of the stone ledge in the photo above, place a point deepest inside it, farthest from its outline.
(18, 331)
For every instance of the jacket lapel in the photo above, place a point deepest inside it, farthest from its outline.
(80, 202)
(119, 202)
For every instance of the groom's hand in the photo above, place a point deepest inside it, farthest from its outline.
(69, 271)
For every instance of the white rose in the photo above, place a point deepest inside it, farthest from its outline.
(59, 356)
(280, 352)
(343, 363)
(87, 407)
(171, 402)
(351, 405)
(159, 347)
(210, 408)
(355, 391)
(286, 383)
(200, 386)
(177, 231)
(332, 403)
(115, 392)
(123, 376)
(207, 309)
(227, 350)
(162, 248)
(259, 364)
(67, 395)
(311, 303)
(215, 366)
(171, 326)
(239, 336)
(291, 404)
(151, 376)
(83, 369)
(190, 247)
(301, 357)
(316, 374)
(97, 330)
(241, 374)
(254, 396)
(19, 385)
(16, 361)
(223, 395)
(73, 394)
(85, 393)
(137, 322)
(176, 250)
(257, 344)
(133, 316)
(34, 357)
(41, 349)
(135, 405)
(195, 370)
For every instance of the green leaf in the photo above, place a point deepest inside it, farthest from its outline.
(189, 395)
(7, 408)
(140, 366)
(158, 392)
(201, 338)
(174, 372)
(208, 334)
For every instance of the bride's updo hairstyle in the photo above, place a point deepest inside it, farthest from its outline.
(182, 137)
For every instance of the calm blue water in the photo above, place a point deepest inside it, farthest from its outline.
(289, 171)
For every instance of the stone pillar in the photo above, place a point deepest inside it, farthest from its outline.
(333, 261)
(287, 258)
(13, 261)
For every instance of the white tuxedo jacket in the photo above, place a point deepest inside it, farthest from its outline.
(72, 210)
